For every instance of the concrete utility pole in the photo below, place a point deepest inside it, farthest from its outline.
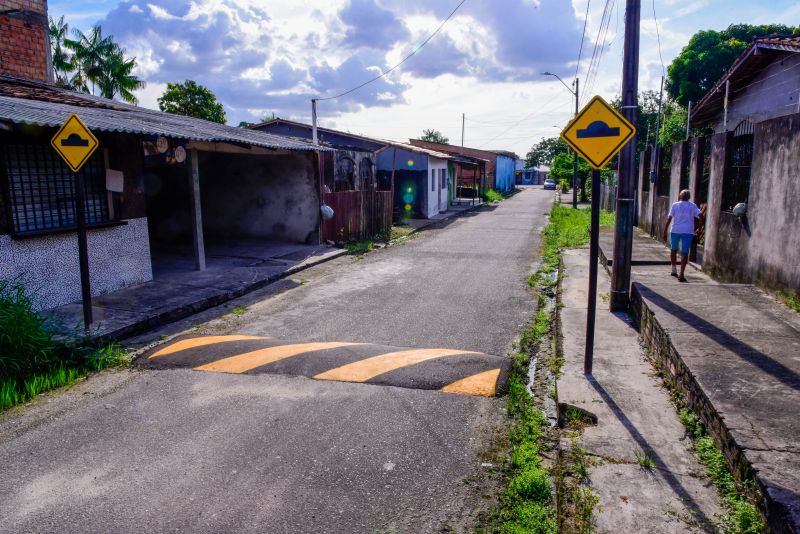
(314, 121)
(623, 231)
(574, 154)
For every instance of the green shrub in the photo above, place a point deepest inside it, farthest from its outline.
(524, 455)
(26, 344)
(490, 195)
(532, 483)
(531, 518)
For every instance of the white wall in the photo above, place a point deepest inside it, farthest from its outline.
(436, 169)
(47, 266)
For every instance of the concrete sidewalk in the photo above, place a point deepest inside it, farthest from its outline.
(177, 291)
(734, 352)
(634, 417)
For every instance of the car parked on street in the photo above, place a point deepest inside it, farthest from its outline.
(550, 184)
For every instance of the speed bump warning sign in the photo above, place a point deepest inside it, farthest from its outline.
(74, 142)
(598, 132)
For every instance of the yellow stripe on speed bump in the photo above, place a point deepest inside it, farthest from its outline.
(202, 341)
(482, 384)
(363, 370)
(241, 363)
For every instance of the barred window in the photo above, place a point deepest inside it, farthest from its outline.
(736, 182)
(41, 189)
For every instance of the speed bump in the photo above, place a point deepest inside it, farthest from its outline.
(462, 372)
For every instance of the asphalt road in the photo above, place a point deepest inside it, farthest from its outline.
(170, 449)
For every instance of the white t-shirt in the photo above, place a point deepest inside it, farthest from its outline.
(683, 214)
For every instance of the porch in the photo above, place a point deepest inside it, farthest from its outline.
(233, 268)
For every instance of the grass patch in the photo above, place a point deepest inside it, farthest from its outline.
(742, 517)
(491, 195)
(15, 391)
(790, 299)
(359, 247)
(31, 361)
(400, 231)
(238, 310)
(644, 459)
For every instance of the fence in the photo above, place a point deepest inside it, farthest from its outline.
(608, 196)
(357, 215)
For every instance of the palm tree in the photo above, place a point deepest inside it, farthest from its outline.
(89, 52)
(62, 61)
(116, 78)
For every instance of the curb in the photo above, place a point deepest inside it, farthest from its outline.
(191, 308)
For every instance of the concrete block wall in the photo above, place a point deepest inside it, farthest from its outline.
(47, 266)
(764, 246)
(24, 40)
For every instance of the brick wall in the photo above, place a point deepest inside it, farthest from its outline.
(24, 46)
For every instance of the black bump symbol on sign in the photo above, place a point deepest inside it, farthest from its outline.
(74, 140)
(598, 129)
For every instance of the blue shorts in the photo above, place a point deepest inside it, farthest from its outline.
(684, 239)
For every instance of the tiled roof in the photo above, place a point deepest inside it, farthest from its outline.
(760, 53)
(25, 102)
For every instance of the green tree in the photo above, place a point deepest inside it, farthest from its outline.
(90, 59)
(709, 54)
(116, 76)
(193, 100)
(434, 136)
(62, 60)
(543, 152)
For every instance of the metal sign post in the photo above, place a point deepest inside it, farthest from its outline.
(594, 246)
(597, 133)
(75, 143)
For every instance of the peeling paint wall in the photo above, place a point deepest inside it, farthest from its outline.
(274, 197)
(764, 247)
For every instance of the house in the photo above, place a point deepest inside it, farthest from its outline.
(499, 169)
(505, 168)
(752, 157)
(350, 167)
(360, 197)
(419, 177)
(159, 190)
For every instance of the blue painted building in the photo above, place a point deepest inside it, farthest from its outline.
(505, 169)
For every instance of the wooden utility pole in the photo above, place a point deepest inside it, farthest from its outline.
(314, 138)
(623, 231)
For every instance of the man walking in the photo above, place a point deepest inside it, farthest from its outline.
(682, 215)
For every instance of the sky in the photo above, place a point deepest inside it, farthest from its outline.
(272, 56)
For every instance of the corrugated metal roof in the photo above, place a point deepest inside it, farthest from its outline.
(110, 116)
(417, 149)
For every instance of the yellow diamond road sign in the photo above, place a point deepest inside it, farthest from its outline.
(598, 132)
(74, 142)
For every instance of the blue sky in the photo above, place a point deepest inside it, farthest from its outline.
(265, 57)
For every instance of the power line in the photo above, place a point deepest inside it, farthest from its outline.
(583, 37)
(413, 52)
(605, 23)
(594, 50)
(658, 36)
(528, 116)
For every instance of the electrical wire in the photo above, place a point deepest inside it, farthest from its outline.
(526, 117)
(658, 36)
(583, 37)
(413, 52)
(594, 63)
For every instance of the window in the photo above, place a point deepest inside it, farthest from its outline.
(41, 189)
(739, 153)
(442, 179)
(433, 179)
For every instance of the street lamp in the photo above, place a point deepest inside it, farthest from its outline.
(574, 154)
